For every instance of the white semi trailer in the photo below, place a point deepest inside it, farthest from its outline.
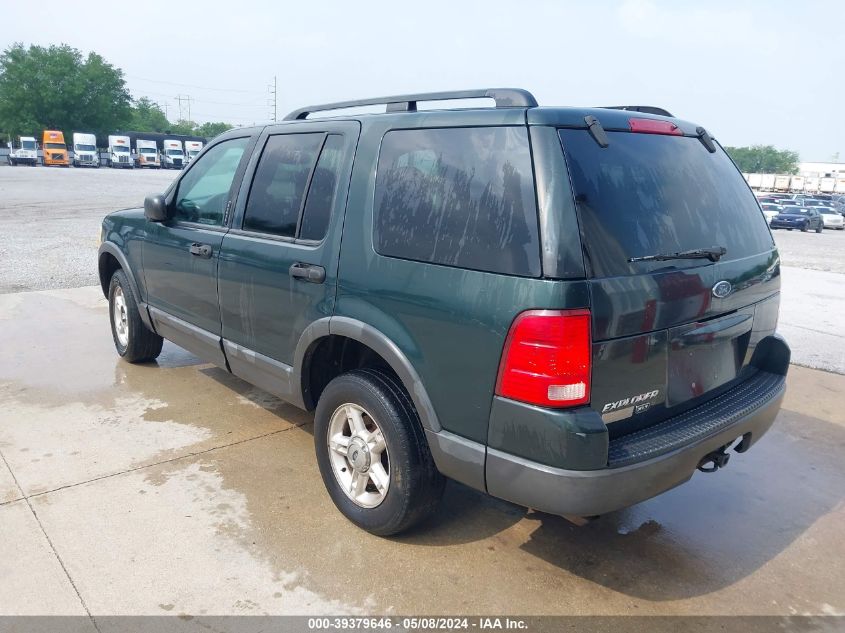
(119, 154)
(192, 148)
(85, 150)
(172, 156)
(26, 152)
(147, 153)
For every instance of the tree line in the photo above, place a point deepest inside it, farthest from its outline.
(57, 87)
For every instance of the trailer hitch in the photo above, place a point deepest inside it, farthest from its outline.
(716, 460)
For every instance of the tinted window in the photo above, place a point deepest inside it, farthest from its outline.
(321, 193)
(647, 194)
(460, 196)
(204, 190)
(278, 186)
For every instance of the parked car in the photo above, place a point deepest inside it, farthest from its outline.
(770, 210)
(813, 202)
(831, 219)
(494, 295)
(794, 217)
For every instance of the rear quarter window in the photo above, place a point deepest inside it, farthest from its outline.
(649, 194)
(461, 197)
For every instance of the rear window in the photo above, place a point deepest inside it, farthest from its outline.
(649, 194)
(460, 197)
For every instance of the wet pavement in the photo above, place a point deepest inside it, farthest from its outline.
(174, 488)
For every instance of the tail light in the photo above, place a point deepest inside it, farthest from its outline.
(546, 359)
(654, 126)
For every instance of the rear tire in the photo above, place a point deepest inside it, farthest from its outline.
(132, 339)
(819, 228)
(394, 484)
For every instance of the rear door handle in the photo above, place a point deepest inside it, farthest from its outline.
(201, 250)
(308, 272)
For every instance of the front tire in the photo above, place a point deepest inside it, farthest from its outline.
(819, 228)
(132, 340)
(373, 455)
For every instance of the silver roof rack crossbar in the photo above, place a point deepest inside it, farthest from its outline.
(635, 108)
(504, 98)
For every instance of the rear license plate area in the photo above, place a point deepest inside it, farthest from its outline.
(706, 355)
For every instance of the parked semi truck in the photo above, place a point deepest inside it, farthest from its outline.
(840, 185)
(172, 157)
(85, 150)
(796, 184)
(26, 152)
(827, 184)
(54, 150)
(767, 182)
(811, 184)
(146, 153)
(782, 183)
(119, 154)
(755, 180)
(192, 148)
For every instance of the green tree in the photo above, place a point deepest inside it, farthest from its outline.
(183, 126)
(209, 130)
(56, 87)
(764, 159)
(148, 117)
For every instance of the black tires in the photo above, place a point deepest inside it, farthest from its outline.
(820, 228)
(132, 339)
(372, 453)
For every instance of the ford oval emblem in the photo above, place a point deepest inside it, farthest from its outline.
(722, 289)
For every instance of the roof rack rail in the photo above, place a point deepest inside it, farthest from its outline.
(635, 108)
(504, 98)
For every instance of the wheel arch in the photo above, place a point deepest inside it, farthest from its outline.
(111, 258)
(330, 330)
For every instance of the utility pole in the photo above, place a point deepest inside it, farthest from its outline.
(274, 103)
(187, 99)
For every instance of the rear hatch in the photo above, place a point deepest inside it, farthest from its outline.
(668, 334)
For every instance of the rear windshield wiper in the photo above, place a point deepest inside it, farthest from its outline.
(713, 254)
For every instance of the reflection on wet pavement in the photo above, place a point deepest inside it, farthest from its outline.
(174, 487)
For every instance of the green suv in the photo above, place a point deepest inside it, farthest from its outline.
(569, 308)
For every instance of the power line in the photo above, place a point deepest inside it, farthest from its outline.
(173, 83)
(225, 103)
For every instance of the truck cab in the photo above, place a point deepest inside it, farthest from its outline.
(192, 148)
(85, 150)
(119, 155)
(147, 153)
(54, 149)
(26, 152)
(172, 156)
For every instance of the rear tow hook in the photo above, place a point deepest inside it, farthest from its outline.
(716, 460)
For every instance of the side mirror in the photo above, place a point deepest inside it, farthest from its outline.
(155, 208)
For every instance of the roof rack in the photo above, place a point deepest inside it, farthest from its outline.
(504, 98)
(634, 108)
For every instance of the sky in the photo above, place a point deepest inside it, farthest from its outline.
(751, 72)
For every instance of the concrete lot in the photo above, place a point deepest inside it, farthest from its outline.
(173, 488)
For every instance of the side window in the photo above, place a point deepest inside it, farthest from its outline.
(204, 190)
(280, 181)
(460, 197)
(323, 189)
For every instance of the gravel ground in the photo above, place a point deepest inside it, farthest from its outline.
(51, 221)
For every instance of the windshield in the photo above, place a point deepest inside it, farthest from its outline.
(647, 194)
(147, 150)
(827, 211)
(27, 144)
(85, 148)
(174, 152)
(813, 203)
(120, 149)
(54, 146)
(193, 152)
(795, 210)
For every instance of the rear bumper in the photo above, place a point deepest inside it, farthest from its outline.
(644, 465)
